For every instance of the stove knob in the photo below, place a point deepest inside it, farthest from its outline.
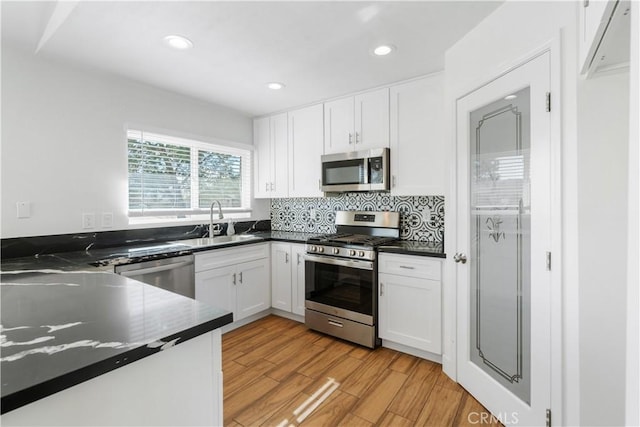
(352, 252)
(320, 249)
(336, 251)
(312, 248)
(361, 254)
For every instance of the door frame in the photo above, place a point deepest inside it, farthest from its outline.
(561, 345)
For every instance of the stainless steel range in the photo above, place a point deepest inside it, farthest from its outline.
(341, 283)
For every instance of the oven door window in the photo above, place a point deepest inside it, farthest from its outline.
(338, 286)
(344, 172)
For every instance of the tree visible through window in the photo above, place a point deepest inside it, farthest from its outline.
(171, 176)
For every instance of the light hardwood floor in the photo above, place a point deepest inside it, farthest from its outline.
(273, 366)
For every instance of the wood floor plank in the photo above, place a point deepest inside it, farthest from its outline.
(316, 366)
(334, 409)
(238, 402)
(286, 368)
(245, 377)
(443, 380)
(261, 409)
(351, 420)
(411, 399)
(360, 352)
(292, 347)
(390, 419)
(472, 413)
(441, 407)
(374, 364)
(264, 350)
(339, 371)
(286, 412)
(372, 406)
(404, 363)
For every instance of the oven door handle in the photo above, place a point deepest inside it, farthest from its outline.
(362, 265)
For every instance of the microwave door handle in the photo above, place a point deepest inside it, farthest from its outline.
(366, 165)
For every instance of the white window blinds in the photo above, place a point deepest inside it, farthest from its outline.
(173, 176)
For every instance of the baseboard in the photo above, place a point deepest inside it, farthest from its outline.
(287, 315)
(413, 351)
(235, 325)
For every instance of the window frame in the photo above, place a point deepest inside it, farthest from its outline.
(195, 145)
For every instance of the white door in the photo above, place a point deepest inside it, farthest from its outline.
(281, 276)
(253, 287)
(338, 126)
(305, 148)
(297, 276)
(262, 158)
(503, 220)
(372, 120)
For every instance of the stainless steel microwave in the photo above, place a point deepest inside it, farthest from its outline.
(366, 170)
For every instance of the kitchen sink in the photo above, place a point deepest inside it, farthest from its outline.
(218, 240)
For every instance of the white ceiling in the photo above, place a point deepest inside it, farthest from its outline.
(319, 50)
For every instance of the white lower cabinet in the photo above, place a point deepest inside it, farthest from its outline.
(410, 305)
(287, 277)
(235, 279)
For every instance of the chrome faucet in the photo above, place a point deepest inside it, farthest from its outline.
(220, 216)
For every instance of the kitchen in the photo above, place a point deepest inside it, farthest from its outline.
(56, 108)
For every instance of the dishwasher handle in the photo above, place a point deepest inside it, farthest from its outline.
(141, 271)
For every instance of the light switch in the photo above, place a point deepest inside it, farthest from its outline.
(88, 220)
(24, 209)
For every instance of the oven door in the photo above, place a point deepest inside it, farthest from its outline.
(341, 287)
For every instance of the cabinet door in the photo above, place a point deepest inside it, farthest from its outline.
(216, 288)
(253, 289)
(591, 27)
(418, 150)
(372, 120)
(262, 157)
(410, 311)
(281, 276)
(338, 126)
(279, 156)
(297, 276)
(305, 148)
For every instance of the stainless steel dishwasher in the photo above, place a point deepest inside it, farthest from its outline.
(173, 274)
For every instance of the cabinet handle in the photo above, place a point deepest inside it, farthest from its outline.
(320, 184)
(406, 267)
(272, 186)
(234, 278)
(241, 277)
(350, 138)
(286, 258)
(298, 258)
(266, 186)
(357, 137)
(381, 289)
(393, 181)
(586, 3)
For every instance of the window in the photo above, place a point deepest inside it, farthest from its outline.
(171, 176)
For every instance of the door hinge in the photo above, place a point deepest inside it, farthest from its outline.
(548, 418)
(548, 102)
(548, 260)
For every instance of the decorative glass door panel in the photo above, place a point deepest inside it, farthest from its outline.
(500, 246)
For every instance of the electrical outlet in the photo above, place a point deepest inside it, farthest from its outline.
(107, 219)
(24, 209)
(88, 220)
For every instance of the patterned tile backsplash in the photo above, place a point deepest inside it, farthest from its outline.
(421, 217)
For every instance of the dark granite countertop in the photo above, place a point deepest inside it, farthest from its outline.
(411, 247)
(62, 328)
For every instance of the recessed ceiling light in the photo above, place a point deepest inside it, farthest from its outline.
(383, 50)
(508, 97)
(178, 42)
(275, 85)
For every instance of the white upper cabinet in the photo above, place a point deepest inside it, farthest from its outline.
(305, 149)
(270, 142)
(418, 150)
(357, 123)
(604, 35)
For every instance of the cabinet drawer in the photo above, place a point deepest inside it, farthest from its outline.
(410, 265)
(223, 257)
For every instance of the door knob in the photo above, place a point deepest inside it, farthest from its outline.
(460, 258)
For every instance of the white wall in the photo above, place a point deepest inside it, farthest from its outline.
(64, 144)
(603, 117)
